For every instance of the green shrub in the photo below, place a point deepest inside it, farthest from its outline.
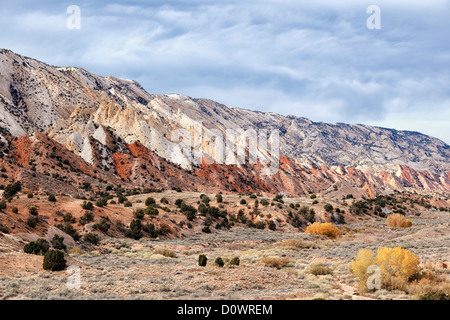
(243, 201)
(54, 260)
(30, 195)
(219, 262)
(32, 221)
(3, 228)
(151, 211)
(15, 210)
(164, 200)
(127, 204)
(135, 231)
(52, 198)
(2, 205)
(68, 218)
(58, 242)
(70, 230)
(149, 201)
(219, 198)
(150, 229)
(12, 189)
(138, 213)
(328, 207)
(206, 229)
(38, 247)
(271, 225)
(235, 261)
(178, 202)
(101, 202)
(87, 217)
(91, 238)
(33, 211)
(202, 260)
(87, 205)
(260, 225)
(103, 225)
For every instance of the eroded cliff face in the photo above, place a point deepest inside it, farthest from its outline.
(115, 127)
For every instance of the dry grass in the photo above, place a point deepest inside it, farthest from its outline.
(276, 262)
(76, 250)
(398, 221)
(325, 229)
(429, 281)
(165, 252)
(320, 269)
(297, 244)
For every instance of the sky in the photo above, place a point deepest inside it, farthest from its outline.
(314, 59)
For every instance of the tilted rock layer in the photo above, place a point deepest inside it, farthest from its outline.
(119, 130)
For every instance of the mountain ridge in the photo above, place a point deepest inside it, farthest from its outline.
(98, 118)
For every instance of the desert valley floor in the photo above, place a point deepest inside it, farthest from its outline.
(273, 264)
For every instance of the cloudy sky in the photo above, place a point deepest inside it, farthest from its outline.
(318, 61)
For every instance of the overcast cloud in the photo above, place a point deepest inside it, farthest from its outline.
(291, 57)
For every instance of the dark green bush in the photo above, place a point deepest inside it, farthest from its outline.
(103, 225)
(202, 260)
(206, 229)
(101, 202)
(38, 247)
(219, 262)
(58, 242)
(91, 238)
(271, 225)
(54, 260)
(3, 228)
(135, 231)
(12, 189)
(139, 213)
(32, 221)
(2, 205)
(127, 204)
(243, 201)
(33, 211)
(87, 205)
(52, 198)
(178, 202)
(151, 211)
(149, 201)
(68, 218)
(235, 261)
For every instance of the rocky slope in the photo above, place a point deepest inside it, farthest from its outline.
(113, 129)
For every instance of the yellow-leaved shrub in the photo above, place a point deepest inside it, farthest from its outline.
(397, 266)
(326, 229)
(397, 262)
(364, 259)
